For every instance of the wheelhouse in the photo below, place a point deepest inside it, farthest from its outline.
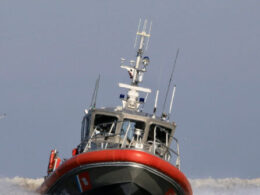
(110, 128)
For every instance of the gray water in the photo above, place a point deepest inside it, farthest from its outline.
(227, 186)
(210, 186)
(19, 186)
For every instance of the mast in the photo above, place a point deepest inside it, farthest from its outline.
(136, 72)
(143, 35)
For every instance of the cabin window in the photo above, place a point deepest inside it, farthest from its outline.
(105, 123)
(129, 127)
(85, 127)
(162, 133)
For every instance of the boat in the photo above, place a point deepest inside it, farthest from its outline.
(123, 150)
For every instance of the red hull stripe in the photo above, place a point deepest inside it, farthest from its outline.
(118, 156)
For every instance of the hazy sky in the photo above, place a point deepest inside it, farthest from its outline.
(51, 52)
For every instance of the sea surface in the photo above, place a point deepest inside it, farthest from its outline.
(209, 186)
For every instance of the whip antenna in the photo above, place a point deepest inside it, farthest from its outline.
(137, 31)
(149, 36)
(170, 109)
(155, 103)
(169, 84)
(94, 95)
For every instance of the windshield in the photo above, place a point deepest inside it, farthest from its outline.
(85, 127)
(161, 133)
(105, 123)
(130, 126)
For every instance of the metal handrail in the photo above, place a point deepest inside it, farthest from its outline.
(114, 141)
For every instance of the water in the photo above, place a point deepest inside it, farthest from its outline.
(210, 186)
(227, 186)
(19, 186)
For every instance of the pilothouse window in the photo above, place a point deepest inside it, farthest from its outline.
(132, 128)
(105, 123)
(162, 133)
(85, 127)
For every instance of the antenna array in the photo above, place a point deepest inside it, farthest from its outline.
(143, 34)
(137, 68)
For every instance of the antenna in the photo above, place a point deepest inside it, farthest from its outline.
(145, 99)
(169, 84)
(149, 36)
(155, 103)
(94, 95)
(170, 109)
(136, 70)
(143, 37)
(144, 26)
(137, 31)
(144, 34)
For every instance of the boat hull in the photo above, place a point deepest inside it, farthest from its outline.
(116, 172)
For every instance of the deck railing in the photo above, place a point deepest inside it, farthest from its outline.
(104, 141)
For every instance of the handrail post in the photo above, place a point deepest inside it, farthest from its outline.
(124, 140)
(178, 160)
(154, 139)
(89, 141)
